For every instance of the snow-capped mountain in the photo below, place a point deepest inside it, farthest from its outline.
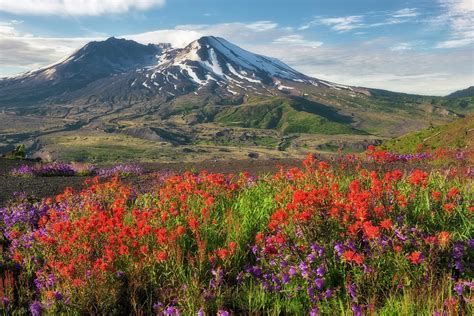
(116, 69)
(215, 61)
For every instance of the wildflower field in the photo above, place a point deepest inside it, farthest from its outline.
(380, 235)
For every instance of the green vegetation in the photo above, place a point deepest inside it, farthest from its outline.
(294, 115)
(456, 135)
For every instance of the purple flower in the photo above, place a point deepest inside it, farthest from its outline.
(58, 296)
(470, 243)
(314, 311)
(356, 310)
(319, 283)
(222, 312)
(339, 248)
(171, 310)
(121, 170)
(320, 271)
(353, 291)
(255, 271)
(35, 308)
(458, 288)
(292, 271)
(328, 293)
(458, 252)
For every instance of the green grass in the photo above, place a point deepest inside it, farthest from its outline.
(288, 116)
(456, 135)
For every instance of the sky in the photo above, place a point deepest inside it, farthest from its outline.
(423, 46)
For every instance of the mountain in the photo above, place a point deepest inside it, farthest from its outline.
(468, 92)
(92, 62)
(120, 68)
(211, 96)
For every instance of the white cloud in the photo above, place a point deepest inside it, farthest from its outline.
(76, 7)
(459, 17)
(22, 52)
(406, 13)
(369, 20)
(176, 37)
(262, 26)
(403, 46)
(238, 32)
(297, 40)
(342, 24)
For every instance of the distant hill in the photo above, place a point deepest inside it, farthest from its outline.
(468, 92)
(455, 135)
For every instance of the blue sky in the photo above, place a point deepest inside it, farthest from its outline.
(423, 46)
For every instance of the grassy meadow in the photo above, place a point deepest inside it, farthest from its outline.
(366, 235)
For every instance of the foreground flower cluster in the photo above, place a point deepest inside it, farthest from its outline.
(310, 240)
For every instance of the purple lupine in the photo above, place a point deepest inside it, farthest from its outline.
(458, 288)
(353, 291)
(36, 308)
(458, 252)
(356, 310)
(320, 271)
(319, 283)
(339, 248)
(58, 296)
(121, 170)
(171, 310)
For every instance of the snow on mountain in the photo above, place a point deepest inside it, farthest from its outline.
(215, 60)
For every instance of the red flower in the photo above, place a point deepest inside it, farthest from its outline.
(144, 250)
(453, 192)
(222, 253)
(443, 238)
(448, 207)
(371, 231)
(418, 177)
(162, 256)
(397, 174)
(436, 195)
(416, 257)
(386, 224)
(180, 230)
(193, 223)
(352, 256)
